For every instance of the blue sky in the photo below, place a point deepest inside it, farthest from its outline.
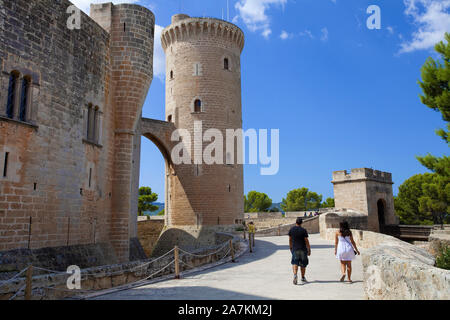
(342, 96)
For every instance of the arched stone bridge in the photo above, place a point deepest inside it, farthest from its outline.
(159, 132)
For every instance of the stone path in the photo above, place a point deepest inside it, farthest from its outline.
(264, 274)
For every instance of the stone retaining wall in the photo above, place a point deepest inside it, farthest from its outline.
(268, 220)
(53, 286)
(310, 224)
(437, 241)
(394, 269)
(291, 214)
(356, 220)
(148, 233)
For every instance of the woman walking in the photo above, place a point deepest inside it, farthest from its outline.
(345, 249)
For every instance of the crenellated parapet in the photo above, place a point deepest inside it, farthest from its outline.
(362, 174)
(185, 28)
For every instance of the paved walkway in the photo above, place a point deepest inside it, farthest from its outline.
(264, 274)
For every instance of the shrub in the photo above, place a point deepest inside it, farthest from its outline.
(443, 260)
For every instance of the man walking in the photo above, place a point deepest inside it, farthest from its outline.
(300, 249)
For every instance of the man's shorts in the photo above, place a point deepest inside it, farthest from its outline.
(300, 258)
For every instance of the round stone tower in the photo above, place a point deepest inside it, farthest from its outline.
(203, 91)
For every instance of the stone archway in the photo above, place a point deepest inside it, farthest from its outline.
(381, 207)
(160, 132)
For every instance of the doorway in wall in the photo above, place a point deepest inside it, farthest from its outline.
(381, 217)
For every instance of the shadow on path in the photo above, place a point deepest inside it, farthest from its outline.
(327, 281)
(174, 293)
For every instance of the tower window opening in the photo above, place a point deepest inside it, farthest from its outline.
(5, 165)
(169, 118)
(171, 74)
(12, 90)
(226, 64)
(90, 176)
(93, 123)
(198, 105)
(24, 99)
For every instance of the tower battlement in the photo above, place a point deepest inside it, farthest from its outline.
(184, 28)
(361, 174)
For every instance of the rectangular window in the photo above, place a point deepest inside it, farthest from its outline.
(90, 176)
(5, 165)
(11, 95)
(24, 100)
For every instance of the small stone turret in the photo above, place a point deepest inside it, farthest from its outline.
(367, 191)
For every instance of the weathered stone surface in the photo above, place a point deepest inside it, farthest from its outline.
(438, 241)
(148, 233)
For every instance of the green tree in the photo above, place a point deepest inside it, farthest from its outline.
(420, 198)
(295, 200)
(162, 212)
(146, 199)
(257, 202)
(435, 86)
(329, 203)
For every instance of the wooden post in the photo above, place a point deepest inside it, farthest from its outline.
(244, 235)
(177, 263)
(250, 241)
(232, 251)
(29, 234)
(28, 283)
(68, 230)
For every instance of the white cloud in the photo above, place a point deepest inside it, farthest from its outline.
(324, 36)
(253, 13)
(306, 33)
(390, 29)
(286, 35)
(432, 18)
(85, 5)
(159, 60)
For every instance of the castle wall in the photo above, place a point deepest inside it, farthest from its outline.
(48, 161)
(76, 190)
(351, 196)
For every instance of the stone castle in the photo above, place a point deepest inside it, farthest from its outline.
(70, 125)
